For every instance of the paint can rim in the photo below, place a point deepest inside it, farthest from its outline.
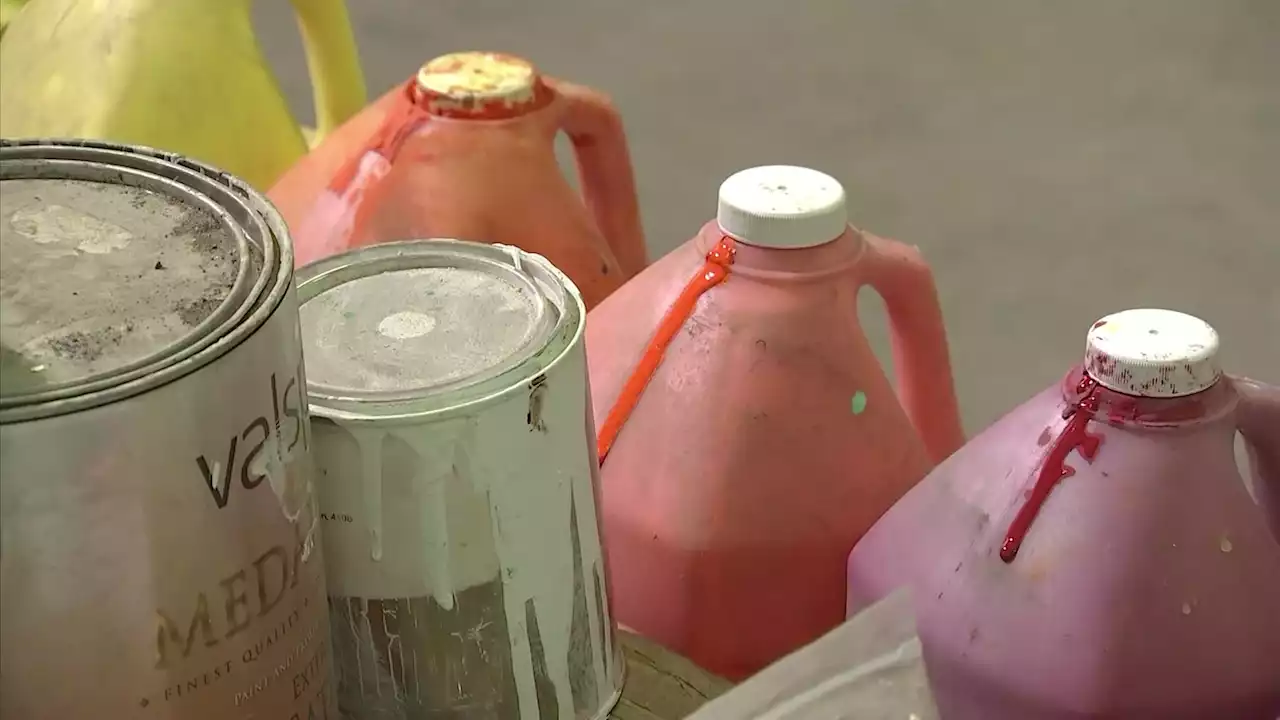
(267, 266)
(415, 405)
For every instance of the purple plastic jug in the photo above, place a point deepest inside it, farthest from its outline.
(1096, 554)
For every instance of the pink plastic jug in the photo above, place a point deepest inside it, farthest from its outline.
(466, 150)
(1095, 554)
(750, 436)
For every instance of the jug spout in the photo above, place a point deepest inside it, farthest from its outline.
(1258, 420)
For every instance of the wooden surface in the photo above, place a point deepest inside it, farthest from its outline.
(661, 685)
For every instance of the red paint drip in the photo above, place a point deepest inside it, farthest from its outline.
(714, 271)
(1075, 436)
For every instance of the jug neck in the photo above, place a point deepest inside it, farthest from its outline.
(1119, 409)
(414, 107)
(832, 258)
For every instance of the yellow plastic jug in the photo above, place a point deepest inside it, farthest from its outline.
(9, 8)
(180, 75)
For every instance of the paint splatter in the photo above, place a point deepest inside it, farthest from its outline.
(859, 402)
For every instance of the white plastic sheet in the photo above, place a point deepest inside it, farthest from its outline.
(869, 668)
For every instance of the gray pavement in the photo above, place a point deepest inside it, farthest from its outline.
(1055, 161)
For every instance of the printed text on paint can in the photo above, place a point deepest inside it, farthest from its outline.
(274, 599)
(218, 475)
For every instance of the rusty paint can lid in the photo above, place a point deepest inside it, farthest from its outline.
(1153, 353)
(479, 85)
(422, 319)
(109, 273)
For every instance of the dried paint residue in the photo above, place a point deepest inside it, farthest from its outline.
(859, 402)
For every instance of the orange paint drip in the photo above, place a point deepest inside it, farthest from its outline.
(714, 271)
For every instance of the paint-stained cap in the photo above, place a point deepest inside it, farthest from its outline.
(478, 85)
(782, 206)
(405, 320)
(107, 273)
(1153, 353)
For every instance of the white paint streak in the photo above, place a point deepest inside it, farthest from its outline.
(273, 462)
(438, 530)
(370, 444)
(532, 504)
(484, 487)
(57, 223)
(215, 479)
(430, 495)
(405, 325)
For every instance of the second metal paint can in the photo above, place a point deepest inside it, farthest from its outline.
(458, 484)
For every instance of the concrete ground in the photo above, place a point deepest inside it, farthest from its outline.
(1056, 161)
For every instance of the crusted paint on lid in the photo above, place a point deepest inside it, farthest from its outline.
(107, 272)
(479, 85)
(407, 320)
(782, 206)
(1153, 353)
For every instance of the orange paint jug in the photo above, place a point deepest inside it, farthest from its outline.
(466, 150)
(750, 436)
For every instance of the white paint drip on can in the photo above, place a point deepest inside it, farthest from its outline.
(370, 444)
(461, 533)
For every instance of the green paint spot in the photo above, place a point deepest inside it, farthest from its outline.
(859, 402)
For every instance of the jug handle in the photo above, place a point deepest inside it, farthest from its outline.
(337, 82)
(1258, 420)
(594, 126)
(919, 340)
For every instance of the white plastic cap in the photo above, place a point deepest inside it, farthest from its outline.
(1153, 353)
(782, 206)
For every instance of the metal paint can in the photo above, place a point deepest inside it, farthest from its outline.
(458, 484)
(159, 556)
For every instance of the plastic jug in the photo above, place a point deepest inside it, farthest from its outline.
(749, 435)
(1095, 554)
(8, 10)
(186, 76)
(466, 150)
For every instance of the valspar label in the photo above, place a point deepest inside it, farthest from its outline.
(263, 448)
(253, 642)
